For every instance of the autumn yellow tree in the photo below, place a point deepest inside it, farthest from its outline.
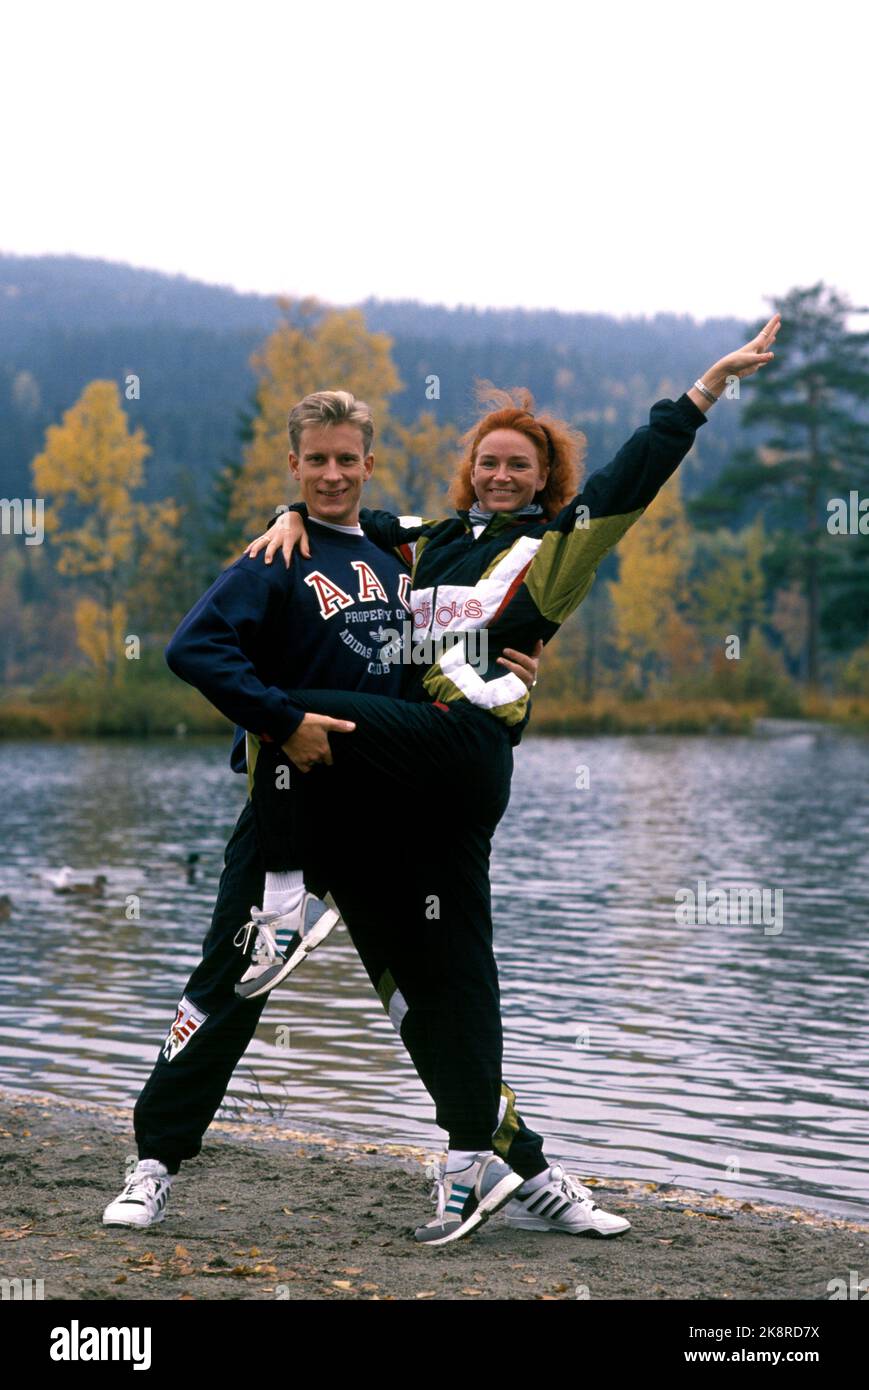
(312, 350)
(90, 467)
(728, 600)
(320, 349)
(649, 598)
(730, 596)
(422, 459)
(158, 591)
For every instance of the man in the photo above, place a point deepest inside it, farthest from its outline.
(257, 632)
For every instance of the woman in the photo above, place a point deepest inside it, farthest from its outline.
(515, 560)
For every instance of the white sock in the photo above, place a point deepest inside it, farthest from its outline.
(155, 1163)
(540, 1180)
(283, 890)
(457, 1159)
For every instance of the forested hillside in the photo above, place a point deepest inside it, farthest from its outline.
(65, 321)
(147, 414)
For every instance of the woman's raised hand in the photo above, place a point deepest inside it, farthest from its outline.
(287, 532)
(749, 359)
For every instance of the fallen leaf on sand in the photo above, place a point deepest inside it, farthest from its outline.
(472, 1292)
(17, 1233)
(242, 1270)
(429, 1293)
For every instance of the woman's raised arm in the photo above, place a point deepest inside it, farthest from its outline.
(631, 480)
(744, 362)
(614, 497)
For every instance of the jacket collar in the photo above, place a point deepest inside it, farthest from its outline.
(499, 521)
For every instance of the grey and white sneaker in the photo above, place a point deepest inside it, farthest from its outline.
(282, 940)
(143, 1200)
(563, 1204)
(466, 1198)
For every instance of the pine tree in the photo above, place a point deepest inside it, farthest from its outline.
(817, 451)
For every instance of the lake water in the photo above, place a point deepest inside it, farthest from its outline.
(727, 1055)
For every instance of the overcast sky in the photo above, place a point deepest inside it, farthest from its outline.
(613, 157)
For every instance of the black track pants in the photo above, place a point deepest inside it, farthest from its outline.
(194, 1066)
(442, 773)
(438, 766)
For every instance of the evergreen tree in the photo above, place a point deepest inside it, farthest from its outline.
(817, 451)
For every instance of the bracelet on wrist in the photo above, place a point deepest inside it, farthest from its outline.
(704, 391)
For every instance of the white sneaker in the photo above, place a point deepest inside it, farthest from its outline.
(143, 1200)
(563, 1204)
(467, 1198)
(304, 927)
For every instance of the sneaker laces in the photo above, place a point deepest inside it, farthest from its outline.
(573, 1188)
(143, 1181)
(265, 947)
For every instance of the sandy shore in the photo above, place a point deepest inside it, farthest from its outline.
(266, 1213)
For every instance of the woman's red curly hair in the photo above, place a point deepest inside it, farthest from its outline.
(558, 444)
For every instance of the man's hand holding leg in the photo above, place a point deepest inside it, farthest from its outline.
(309, 745)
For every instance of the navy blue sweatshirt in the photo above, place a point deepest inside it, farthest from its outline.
(261, 630)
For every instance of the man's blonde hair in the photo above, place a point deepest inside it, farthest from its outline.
(331, 408)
